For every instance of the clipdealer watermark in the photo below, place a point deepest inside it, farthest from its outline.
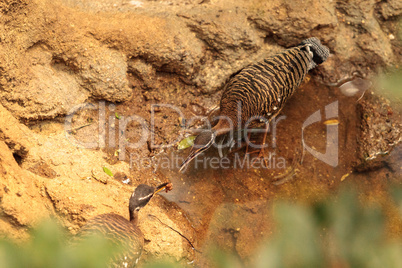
(173, 161)
(147, 136)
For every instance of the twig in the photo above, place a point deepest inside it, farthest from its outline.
(191, 244)
(78, 128)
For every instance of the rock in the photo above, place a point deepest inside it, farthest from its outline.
(220, 31)
(43, 170)
(15, 135)
(162, 41)
(88, 53)
(231, 44)
(142, 72)
(21, 205)
(360, 44)
(290, 22)
(103, 72)
(373, 41)
(51, 77)
(391, 8)
(163, 242)
(51, 91)
(380, 133)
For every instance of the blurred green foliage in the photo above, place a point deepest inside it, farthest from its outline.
(337, 232)
(390, 83)
(161, 264)
(50, 246)
(340, 232)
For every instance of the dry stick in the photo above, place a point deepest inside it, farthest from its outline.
(78, 128)
(191, 244)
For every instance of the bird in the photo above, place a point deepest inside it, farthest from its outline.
(260, 90)
(122, 232)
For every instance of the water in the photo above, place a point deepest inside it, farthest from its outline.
(229, 202)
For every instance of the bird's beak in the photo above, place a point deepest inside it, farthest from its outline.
(167, 185)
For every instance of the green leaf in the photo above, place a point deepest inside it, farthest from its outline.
(107, 171)
(186, 142)
(117, 115)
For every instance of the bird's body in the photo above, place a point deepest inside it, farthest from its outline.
(122, 232)
(260, 90)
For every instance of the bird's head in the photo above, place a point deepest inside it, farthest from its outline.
(317, 51)
(143, 194)
(202, 142)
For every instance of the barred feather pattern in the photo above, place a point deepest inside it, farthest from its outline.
(262, 89)
(119, 231)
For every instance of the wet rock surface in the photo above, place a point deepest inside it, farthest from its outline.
(120, 58)
(380, 132)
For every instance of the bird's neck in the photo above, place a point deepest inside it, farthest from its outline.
(134, 217)
(222, 127)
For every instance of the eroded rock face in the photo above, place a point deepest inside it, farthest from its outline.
(47, 175)
(85, 48)
(391, 8)
(288, 22)
(22, 204)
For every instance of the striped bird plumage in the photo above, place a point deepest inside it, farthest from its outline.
(260, 90)
(120, 231)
